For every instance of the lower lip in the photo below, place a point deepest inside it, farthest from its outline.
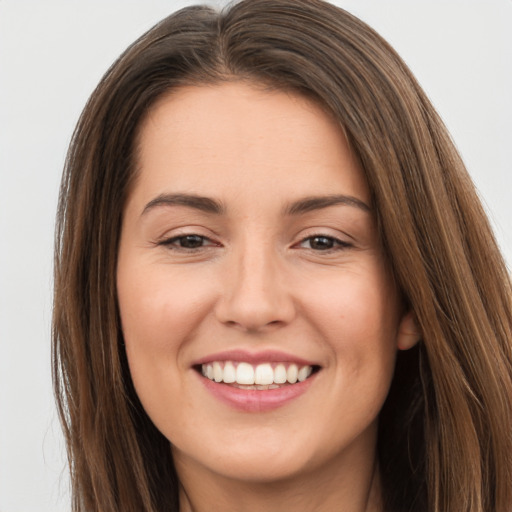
(254, 400)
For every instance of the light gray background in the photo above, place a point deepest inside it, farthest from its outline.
(52, 53)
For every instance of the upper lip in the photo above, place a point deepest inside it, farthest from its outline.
(265, 356)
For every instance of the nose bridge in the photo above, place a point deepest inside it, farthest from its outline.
(255, 295)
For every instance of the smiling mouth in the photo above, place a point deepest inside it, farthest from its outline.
(261, 377)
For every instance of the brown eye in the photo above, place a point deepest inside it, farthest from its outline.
(190, 241)
(323, 243)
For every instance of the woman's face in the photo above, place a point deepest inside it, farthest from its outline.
(249, 252)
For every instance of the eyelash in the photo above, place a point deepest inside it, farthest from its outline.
(173, 243)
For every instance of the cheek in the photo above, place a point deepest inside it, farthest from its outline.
(159, 312)
(355, 310)
(358, 319)
(159, 308)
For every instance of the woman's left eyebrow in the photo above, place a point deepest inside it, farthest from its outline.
(312, 203)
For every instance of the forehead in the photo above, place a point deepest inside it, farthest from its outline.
(235, 138)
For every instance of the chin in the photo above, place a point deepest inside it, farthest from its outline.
(265, 455)
(255, 455)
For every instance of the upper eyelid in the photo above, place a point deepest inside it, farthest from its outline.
(331, 230)
(341, 238)
(186, 230)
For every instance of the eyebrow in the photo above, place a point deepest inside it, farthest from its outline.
(313, 203)
(205, 204)
(209, 205)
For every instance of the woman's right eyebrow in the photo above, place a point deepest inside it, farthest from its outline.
(205, 204)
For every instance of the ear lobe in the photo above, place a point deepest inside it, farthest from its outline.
(408, 332)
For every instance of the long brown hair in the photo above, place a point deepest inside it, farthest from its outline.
(445, 441)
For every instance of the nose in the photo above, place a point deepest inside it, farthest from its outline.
(254, 296)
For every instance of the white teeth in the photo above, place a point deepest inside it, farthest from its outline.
(261, 376)
(229, 373)
(292, 373)
(280, 374)
(304, 373)
(217, 372)
(244, 373)
(264, 374)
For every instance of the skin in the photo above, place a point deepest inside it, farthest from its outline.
(258, 280)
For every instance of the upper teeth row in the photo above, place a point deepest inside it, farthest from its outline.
(245, 373)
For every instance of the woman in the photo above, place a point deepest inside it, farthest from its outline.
(275, 285)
